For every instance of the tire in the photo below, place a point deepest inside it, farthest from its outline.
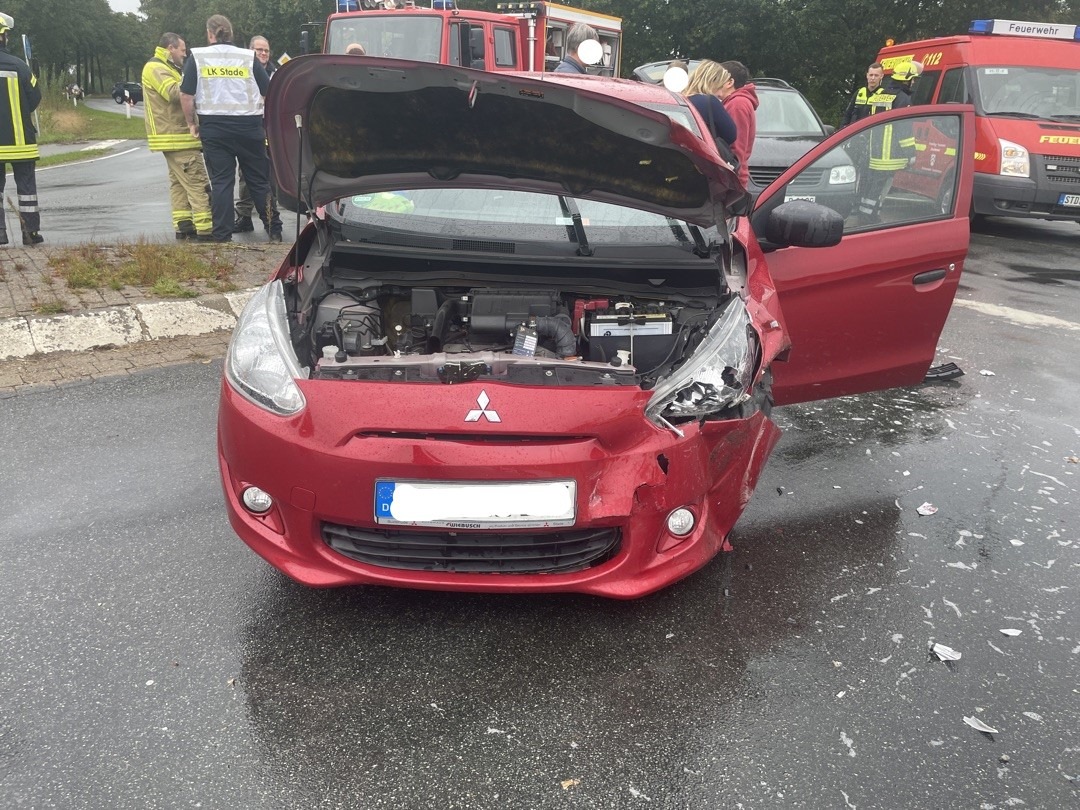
(945, 196)
(118, 99)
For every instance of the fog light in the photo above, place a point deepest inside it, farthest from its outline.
(680, 522)
(258, 501)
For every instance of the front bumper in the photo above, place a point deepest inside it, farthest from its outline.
(1027, 197)
(320, 468)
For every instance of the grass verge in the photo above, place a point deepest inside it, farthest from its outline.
(62, 122)
(169, 270)
(70, 157)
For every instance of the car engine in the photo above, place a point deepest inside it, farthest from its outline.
(455, 335)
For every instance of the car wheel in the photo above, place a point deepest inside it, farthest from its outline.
(118, 99)
(945, 197)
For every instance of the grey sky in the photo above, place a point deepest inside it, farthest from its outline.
(124, 5)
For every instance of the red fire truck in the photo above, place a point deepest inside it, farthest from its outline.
(1024, 80)
(520, 36)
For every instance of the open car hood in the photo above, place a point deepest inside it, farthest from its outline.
(371, 124)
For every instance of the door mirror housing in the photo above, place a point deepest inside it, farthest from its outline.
(800, 223)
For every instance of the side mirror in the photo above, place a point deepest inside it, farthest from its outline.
(476, 47)
(305, 42)
(801, 223)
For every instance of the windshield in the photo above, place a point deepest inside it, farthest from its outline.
(784, 112)
(510, 216)
(1039, 92)
(412, 36)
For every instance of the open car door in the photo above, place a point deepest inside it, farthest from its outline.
(866, 313)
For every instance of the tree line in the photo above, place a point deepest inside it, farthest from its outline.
(820, 46)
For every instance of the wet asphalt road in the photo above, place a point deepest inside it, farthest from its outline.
(120, 196)
(151, 661)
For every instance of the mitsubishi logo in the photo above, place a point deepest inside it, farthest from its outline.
(474, 415)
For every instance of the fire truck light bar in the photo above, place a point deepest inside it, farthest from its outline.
(1017, 28)
(517, 7)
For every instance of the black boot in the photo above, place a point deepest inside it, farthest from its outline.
(243, 225)
(32, 238)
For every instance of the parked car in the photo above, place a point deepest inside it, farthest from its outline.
(787, 127)
(122, 91)
(538, 353)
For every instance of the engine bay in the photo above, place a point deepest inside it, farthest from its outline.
(531, 335)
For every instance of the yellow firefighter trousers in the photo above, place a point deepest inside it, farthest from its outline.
(187, 191)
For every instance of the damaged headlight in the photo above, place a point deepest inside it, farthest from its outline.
(261, 364)
(717, 376)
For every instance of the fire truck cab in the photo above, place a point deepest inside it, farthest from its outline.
(1024, 80)
(526, 36)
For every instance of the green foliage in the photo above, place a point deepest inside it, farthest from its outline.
(820, 46)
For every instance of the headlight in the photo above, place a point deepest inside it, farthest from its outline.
(841, 174)
(717, 375)
(261, 364)
(1014, 159)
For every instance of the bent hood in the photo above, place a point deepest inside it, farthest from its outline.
(342, 125)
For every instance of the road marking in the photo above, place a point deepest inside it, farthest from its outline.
(90, 160)
(1018, 316)
(101, 145)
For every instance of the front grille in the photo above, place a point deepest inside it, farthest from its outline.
(555, 552)
(763, 176)
(1062, 168)
(807, 178)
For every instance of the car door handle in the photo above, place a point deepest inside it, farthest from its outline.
(929, 277)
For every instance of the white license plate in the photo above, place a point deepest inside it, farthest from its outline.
(468, 505)
(1069, 200)
(807, 197)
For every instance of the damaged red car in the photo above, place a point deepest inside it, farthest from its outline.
(531, 340)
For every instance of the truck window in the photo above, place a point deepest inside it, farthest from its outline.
(925, 86)
(505, 48)
(403, 37)
(952, 87)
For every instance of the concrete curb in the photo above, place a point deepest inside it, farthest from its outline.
(24, 336)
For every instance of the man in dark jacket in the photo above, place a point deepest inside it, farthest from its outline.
(19, 97)
(578, 33)
(891, 146)
(244, 205)
(865, 101)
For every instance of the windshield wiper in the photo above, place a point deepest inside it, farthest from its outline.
(1015, 113)
(701, 247)
(570, 209)
(1065, 117)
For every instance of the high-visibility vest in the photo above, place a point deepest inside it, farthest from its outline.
(226, 84)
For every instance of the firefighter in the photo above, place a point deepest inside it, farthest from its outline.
(891, 146)
(863, 102)
(19, 97)
(167, 132)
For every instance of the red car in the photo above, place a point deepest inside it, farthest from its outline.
(526, 346)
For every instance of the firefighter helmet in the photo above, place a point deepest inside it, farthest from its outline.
(907, 70)
(6, 23)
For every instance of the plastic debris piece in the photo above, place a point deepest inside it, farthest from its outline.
(1009, 631)
(946, 371)
(944, 653)
(926, 509)
(1017, 542)
(987, 372)
(569, 783)
(979, 725)
(1073, 459)
(1033, 716)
